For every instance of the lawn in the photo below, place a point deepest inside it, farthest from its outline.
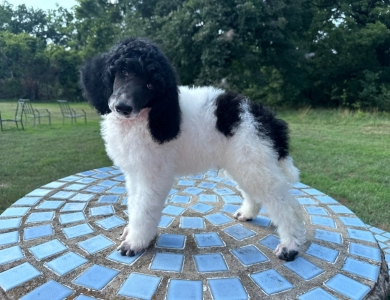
(343, 154)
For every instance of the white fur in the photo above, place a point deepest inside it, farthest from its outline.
(249, 159)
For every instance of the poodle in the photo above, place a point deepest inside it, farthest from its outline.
(154, 131)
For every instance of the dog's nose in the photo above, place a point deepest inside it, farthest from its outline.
(123, 109)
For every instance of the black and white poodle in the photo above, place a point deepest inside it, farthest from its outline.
(154, 130)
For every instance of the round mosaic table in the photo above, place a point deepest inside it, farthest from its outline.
(59, 242)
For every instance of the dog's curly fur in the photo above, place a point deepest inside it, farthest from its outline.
(153, 135)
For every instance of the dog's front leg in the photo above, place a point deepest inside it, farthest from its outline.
(146, 197)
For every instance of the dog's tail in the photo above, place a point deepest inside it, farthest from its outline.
(288, 168)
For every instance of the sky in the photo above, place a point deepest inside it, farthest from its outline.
(43, 4)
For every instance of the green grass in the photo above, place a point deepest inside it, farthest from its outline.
(343, 154)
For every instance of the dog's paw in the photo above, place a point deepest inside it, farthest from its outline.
(125, 249)
(286, 253)
(134, 241)
(240, 215)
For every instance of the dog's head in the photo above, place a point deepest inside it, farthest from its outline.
(134, 75)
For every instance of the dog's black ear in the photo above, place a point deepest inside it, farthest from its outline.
(165, 116)
(96, 83)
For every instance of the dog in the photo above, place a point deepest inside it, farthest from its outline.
(154, 131)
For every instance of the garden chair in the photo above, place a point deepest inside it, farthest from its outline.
(18, 116)
(68, 112)
(30, 112)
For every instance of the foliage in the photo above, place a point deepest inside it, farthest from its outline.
(282, 52)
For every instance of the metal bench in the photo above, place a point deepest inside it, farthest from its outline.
(18, 118)
(68, 112)
(30, 112)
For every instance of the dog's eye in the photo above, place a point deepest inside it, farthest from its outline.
(150, 86)
(125, 73)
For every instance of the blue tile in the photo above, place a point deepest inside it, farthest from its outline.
(376, 230)
(70, 178)
(124, 201)
(75, 187)
(239, 232)
(169, 262)
(96, 189)
(352, 222)
(39, 193)
(365, 251)
(323, 221)
(82, 197)
(17, 276)
(186, 182)
(87, 173)
(123, 259)
(196, 176)
(66, 263)
(201, 207)
(95, 244)
(230, 208)
(173, 210)
(102, 175)
(212, 173)
(361, 269)
(181, 199)
(261, 221)
(9, 238)
(300, 185)
(172, 191)
(83, 297)
(50, 204)
(96, 277)
(40, 217)
(193, 190)
(249, 255)
(63, 195)
(101, 210)
(230, 183)
(339, 209)
(54, 185)
(171, 241)
(324, 253)
(37, 232)
(73, 206)
(111, 222)
(76, 231)
(232, 199)
(213, 262)
(207, 198)
(313, 192)
(27, 201)
(218, 219)
(271, 282)
(108, 199)
(381, 238)
(165, 221)
(315, 210)
(303, 268)
(191, 222)
(316, 293)
(208, 239)
(10, 223)
(140, 286)
(296, 192)
(71, 218)
(328, 236)
(50, 290)
(271, 242)
(8, 255)
(326, 199)
(224, 191)
(86, 180)
(227, 289)
(104, 169)
(216, 179)
(305, 201)
(362, 235)
(47, 249)
(107, 183)
(117, 190)
(387, 234)
(15, 212)
(185, 289)
(207, 185)
(347, 287)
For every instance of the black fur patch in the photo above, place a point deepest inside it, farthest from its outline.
(228, 112)
(275, 129)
